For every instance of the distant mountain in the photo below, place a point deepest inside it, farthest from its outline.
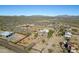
(40, 17)
(66, 17)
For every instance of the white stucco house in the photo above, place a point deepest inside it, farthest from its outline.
(43, 32)
(68, 35)
(5, 34)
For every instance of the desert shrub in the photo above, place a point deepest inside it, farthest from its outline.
(43, 41)
(61, 29)
(76, 39)
(61, 32)
(75, 30)
(28, 34)
(53, 45)
(36, 35)
(50, 50)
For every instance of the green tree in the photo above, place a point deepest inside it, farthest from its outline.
(50, 33)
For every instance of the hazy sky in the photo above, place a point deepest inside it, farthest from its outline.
(50, 10)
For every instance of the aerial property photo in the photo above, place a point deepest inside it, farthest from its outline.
(39, 28)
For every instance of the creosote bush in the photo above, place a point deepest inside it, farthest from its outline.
(43, 41)
(50, 50)
(36, 35)
(53, 45)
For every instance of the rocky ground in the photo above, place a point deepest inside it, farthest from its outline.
(43, 44)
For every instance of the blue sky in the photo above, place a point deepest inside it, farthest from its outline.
(49, 10)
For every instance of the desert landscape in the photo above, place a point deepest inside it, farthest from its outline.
(44, 35)
(39, 29)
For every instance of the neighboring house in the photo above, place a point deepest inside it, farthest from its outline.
(43, 32)
(68, 35)
(5, 34)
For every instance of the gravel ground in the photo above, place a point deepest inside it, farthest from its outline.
(5, 50)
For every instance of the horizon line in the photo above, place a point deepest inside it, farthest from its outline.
(40, 15)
